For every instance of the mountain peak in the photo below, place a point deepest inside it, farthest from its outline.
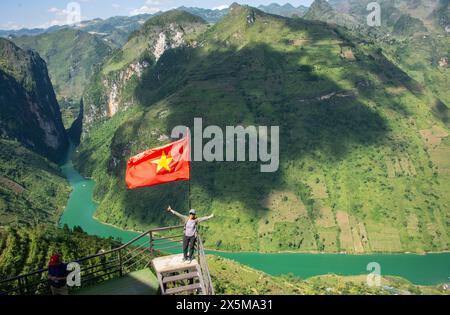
(173, 16)
(318, 10)
(288, 6)
(320, 5)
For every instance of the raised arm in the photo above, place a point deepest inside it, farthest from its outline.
(205, 218)
(182, 217)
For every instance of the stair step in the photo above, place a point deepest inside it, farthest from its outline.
(183, 276)
(187, 288)
(189, 268)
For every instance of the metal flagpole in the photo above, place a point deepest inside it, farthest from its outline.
(190, 170)
(189, 196)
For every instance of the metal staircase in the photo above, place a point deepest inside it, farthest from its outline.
(176, 276)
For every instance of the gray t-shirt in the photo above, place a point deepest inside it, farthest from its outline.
(190, 228)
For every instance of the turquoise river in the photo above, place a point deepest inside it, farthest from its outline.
(420, 269)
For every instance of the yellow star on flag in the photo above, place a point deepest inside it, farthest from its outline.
(163, 163)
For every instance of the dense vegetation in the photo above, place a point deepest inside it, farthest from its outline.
(231, 278)
(27, 250)
(363, 165)
(32, 189)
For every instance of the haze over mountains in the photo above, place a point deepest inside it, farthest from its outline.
(116, 30)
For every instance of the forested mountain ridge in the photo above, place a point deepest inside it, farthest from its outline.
(362, 151)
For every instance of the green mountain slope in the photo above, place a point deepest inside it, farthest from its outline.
(32, 189)
(413, 37)
(424, 58)
(28, 107)
(363, 156)
(71, 56)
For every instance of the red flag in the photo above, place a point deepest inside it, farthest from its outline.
(169, 163)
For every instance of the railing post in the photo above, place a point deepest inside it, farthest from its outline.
(152, 251)
(27, 289)
(20, 286)
(120, 263)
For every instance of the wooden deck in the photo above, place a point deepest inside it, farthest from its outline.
(171, 263)
(142, 282)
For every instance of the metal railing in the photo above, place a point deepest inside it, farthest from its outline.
(204, 267)
(131, 256)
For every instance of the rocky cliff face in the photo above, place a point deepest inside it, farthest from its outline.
(112, 89)
(114, 85)
(28, 107)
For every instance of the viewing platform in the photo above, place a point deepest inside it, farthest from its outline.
(147, 265)
(142, 282)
